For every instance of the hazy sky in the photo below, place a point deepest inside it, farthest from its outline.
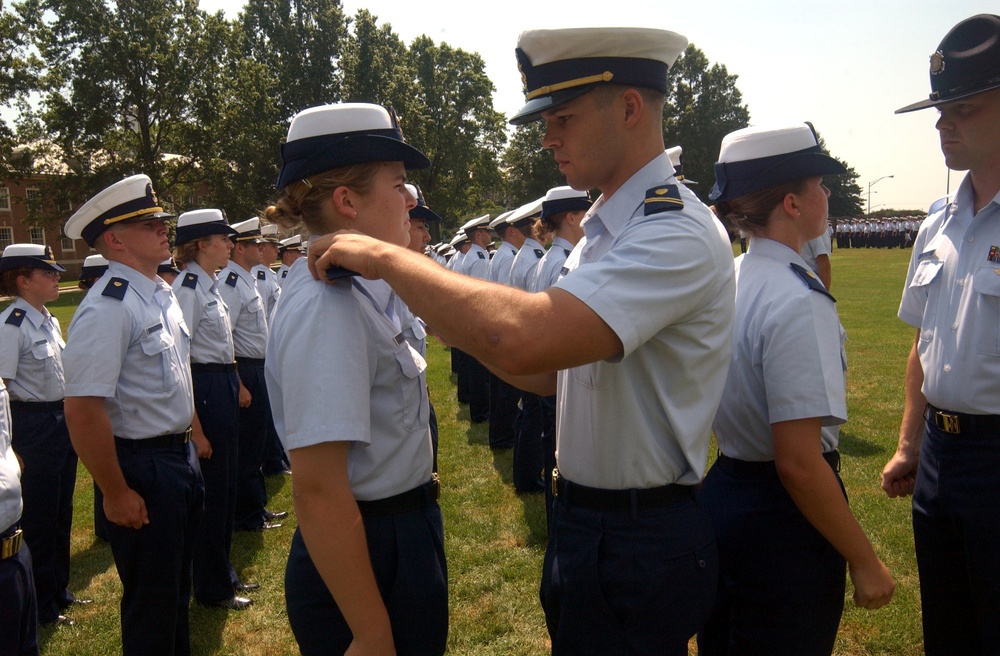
(845, 66)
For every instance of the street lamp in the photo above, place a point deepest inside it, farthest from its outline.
(870, 191)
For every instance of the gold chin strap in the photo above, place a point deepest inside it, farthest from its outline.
(132, 215)
(569, 84)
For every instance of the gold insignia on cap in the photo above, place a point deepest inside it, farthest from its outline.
(937, 63)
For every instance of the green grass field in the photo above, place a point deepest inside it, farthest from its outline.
(495, 538)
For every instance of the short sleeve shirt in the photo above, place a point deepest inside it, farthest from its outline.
(10, 470)
(476, 263)
(821, 245)
(31, 353)
(551, 265)
(522, 270)
(501, 263)
(247, 313)
(206, 315)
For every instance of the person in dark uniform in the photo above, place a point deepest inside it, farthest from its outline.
(31, 345)
(130, 412)
(781, 519)
(948, 455)
(18, 607)
(366, 572)
(630, 565)
(203, 246)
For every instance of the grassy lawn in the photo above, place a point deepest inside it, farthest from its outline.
(495, 538)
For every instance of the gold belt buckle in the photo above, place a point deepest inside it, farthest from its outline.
(947, 422)
(555, 482)
(11, 545)
(187, 435)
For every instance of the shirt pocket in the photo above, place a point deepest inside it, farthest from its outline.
(413, 390)
(926, 281)
(986, 327)
(161, 370)
(255, 314)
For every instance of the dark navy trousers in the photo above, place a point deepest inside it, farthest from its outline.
(216, 399)
(503, 413)
(154, 562)
(781, 583)
(251, 494)
(956, 529)
(18, 611)
(528, 458)
(627, 582)
(41, 439)
(407, 556)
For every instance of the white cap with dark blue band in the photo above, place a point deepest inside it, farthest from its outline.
(756, 158)
(127, 201)
(332, 136)
(564, 199)
(421, 211)
(248, 231)
(291, 243)
(526, 212)
(201, 223)
(560, 65)
(31, 256)
(94, 266)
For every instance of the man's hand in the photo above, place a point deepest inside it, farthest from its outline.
(347, 248)
(245, 397)
(899, 475)
(126, 509)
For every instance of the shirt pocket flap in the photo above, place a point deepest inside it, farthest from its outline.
(42, 350)
(926, 271)
(410, 362)
(987, 280)
(156, 342)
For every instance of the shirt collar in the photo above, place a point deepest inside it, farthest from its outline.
(774, 250)
(378, 291)
(34, 316)
(196, 269)
(615, 212)
(140, 283)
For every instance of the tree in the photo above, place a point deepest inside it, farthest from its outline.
(530, 169)
(703, 106)
(845, 192)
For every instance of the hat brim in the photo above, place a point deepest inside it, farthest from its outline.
(199, 230)
(927, 104)
(425, 213)
(29, 262)
(534, 108)
(340, 151)
(787, 169)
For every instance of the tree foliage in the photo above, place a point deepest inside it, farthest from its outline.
(531, 170)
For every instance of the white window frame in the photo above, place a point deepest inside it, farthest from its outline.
(4, 199)
(36, 235)
(6, 236)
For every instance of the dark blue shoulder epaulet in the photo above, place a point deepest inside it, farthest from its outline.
(810, 279)
(482, 255)
(284, 274)
(116, 288)
(232, 278)
(539, 253)
(662, 199)
(190, 280)
(261, 275)
(16, 317)
(567, 251)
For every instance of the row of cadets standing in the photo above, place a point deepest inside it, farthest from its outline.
(504, 397)
(203, 245)
(528, 460)
(476, 264)
(563, 210)
(31, 346)
(248, 316)
(130, 412)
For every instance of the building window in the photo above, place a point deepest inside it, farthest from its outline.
(6, 235)
(37, 235)
(67, 245)
(5, 199)
(33, 194)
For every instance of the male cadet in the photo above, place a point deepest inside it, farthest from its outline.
(130, 412)
(266, 278)
(290, 249)
(476, 264)
(504, 397)
(528, 461)
(951, 419)
(639, 331)
(249, 321)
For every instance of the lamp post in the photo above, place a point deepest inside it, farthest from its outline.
(870, 191)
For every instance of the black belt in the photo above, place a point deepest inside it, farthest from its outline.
(10, 542)
(957, 423)
(618, 500)
(254, 361)
(748, 467)
(37, 406)
(212, 367)
(413, 499)
(159, 442)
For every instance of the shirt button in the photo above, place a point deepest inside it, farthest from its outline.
(947, 368)
(954, 326)
(961, 282)
(972, 238)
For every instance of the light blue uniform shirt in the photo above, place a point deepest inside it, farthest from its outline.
(952, 295)
(476, 262)
(664, 284)
(206, 315)
(31, 354)
(522, 270)
(267, 286)
(502, 260)
(339, 370)
(135, 353)
(788, 359)
(247, 313)
(10, 471)
(813, 248)
(550, 266)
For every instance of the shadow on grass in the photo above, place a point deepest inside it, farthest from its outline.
(851, 445)
(535, 518)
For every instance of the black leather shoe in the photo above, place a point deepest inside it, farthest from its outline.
(245, 587)
(271, 516)
(233, 603)
(60, 620)
(267, 526)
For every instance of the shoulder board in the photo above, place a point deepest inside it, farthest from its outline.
(566, 250)
(261, 275)
(811, 280)
(662, 199)
(284, 274)
(116, 288)
(482, 255)
(539, 253)
(513, 251)
(232, 278)
(190, 280)
(16, 317)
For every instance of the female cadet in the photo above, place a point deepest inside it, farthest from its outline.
(366, 570)
(776, 501)
(202, 247)
(31, 345)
